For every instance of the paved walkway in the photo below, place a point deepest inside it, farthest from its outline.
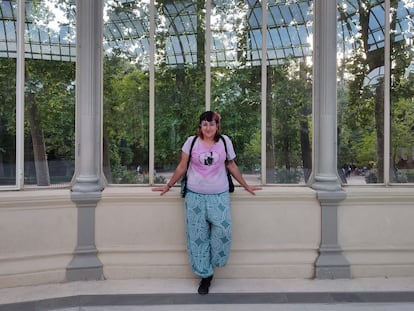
(379, 294)
(261, 307)
(356, 180)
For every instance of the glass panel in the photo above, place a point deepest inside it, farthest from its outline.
(126, 92)
(360, 91)
(289, 92)
(402, 93)
(179, 79)
(236, 80)
(49, 93)
(7, 95)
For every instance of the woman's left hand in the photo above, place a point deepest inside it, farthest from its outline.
(163, 189)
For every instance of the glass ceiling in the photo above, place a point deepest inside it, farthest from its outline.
(50, 29)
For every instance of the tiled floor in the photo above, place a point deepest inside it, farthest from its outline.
(377, 294)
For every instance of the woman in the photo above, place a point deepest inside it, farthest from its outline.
(207, 200)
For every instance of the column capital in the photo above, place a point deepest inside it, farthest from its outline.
(330, 197)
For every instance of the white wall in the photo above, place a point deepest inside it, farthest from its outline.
(376, 231)
(276, 234)
(37, 236)
(141, 234)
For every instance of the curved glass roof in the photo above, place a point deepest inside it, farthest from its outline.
(50, 29)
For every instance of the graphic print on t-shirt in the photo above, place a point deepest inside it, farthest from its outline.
(209, 158)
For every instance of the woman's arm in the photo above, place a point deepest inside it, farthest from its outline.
(179, 172)
(234, 170)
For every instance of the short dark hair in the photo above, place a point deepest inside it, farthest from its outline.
(209, 116)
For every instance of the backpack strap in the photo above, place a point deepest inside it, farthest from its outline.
(225, 145)
(191, 148)
(229, 178)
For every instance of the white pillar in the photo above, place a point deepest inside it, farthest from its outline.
(331, 262)
(88, 178)
(325, 175)
(20, 80)
(88, 173)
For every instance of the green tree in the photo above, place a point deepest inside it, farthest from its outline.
(50, 110)
(364, 109)
(179, 88)
(126, 91)
(236, 96)
(292, 101)
(7, 118)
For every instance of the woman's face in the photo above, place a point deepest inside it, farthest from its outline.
(209, 129)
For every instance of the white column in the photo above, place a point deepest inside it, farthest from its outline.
(20, 80)
(151, 91)
(264, 93)
(331, 262)
(325, 175)
(207, 55)
(88, 178)
(387, 93)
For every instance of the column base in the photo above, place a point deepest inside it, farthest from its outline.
(332, 266)
(85, 266)
(331, 263)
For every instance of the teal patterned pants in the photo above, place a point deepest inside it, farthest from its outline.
(209, 229)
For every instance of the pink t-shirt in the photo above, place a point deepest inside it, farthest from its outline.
(207, 170)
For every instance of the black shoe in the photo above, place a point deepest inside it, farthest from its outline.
(204, 285)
